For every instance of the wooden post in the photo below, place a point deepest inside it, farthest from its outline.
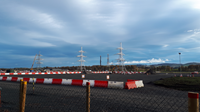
(0, 96)
(88, 97)
(23, 96)
(193, 102)
(20, 91)
(33, 85)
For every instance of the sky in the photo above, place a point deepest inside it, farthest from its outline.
(151, 31)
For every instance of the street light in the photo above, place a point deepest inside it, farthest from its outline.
(180, 61)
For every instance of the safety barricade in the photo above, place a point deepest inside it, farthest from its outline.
(130, 85)
(91, 82)
(48, 81)
(67, 81)
(115, 84)
(77, 82)
(56, 81)
(98, 83)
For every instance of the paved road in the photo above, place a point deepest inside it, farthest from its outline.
(113, 77)
(72, 98)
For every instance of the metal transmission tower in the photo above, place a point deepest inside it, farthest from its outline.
(121, 59)
(81, 58)
(39, 61)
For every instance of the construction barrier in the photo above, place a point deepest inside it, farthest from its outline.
(39, 73)
(98, 83)
(130, 84)
(77, 82)
(115, 84)
(91, 82)
(67, 81)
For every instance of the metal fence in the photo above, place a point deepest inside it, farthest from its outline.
(62, 98)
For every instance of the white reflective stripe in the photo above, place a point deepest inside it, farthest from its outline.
(48, 73)
(1, 78)
(48, 81)
(43, 73)
(67, 81)
(29, 73)
(19, 78)
(54, 73)
(36, 73)
(115, 84)
(7, 73)
(23, 73)
(91, 82)
(8, 78)
(15, 73)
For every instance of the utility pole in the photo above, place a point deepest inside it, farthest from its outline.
(100, 62)
(180, 61)
(108, 62)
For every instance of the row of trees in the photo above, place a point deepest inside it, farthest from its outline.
(189, 68)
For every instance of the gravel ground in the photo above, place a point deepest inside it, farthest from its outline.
(61, 98)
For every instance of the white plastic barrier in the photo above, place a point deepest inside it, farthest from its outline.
(91, 82)
(1, 78)
(66, 81)
(115, 84)
(31, 80)
(19, 78)
(48, 81)
(139, 83)
(8, 78)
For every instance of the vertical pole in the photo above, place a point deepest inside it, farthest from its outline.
(33, 85)
(23, 96)
(100, 62)
(0, 96)
(193, 102)
(88, 97)
(180, 61)
(20, 91)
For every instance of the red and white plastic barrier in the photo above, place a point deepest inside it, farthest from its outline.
(120, 72)
(100, 72)
(130, 84)
(39, 73)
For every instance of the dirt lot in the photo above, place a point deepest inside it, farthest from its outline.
(60, 98)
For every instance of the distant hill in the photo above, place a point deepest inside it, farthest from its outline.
(176, 64)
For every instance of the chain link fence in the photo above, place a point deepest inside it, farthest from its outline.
(62, 98)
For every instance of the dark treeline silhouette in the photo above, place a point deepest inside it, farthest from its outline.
(190, 68)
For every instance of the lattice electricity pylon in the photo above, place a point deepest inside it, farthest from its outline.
(39, 61)
(121, 60)
(81, 59)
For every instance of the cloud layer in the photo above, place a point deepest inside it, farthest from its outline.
(150, 29)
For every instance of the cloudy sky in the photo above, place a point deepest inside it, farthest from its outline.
(151, 31)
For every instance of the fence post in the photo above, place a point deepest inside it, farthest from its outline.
(0, 96)
(20, 91)
(193, 102)
(23, 96)
(88, 97)
(33, 85)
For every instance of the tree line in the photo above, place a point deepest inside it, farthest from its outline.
(190, 68)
